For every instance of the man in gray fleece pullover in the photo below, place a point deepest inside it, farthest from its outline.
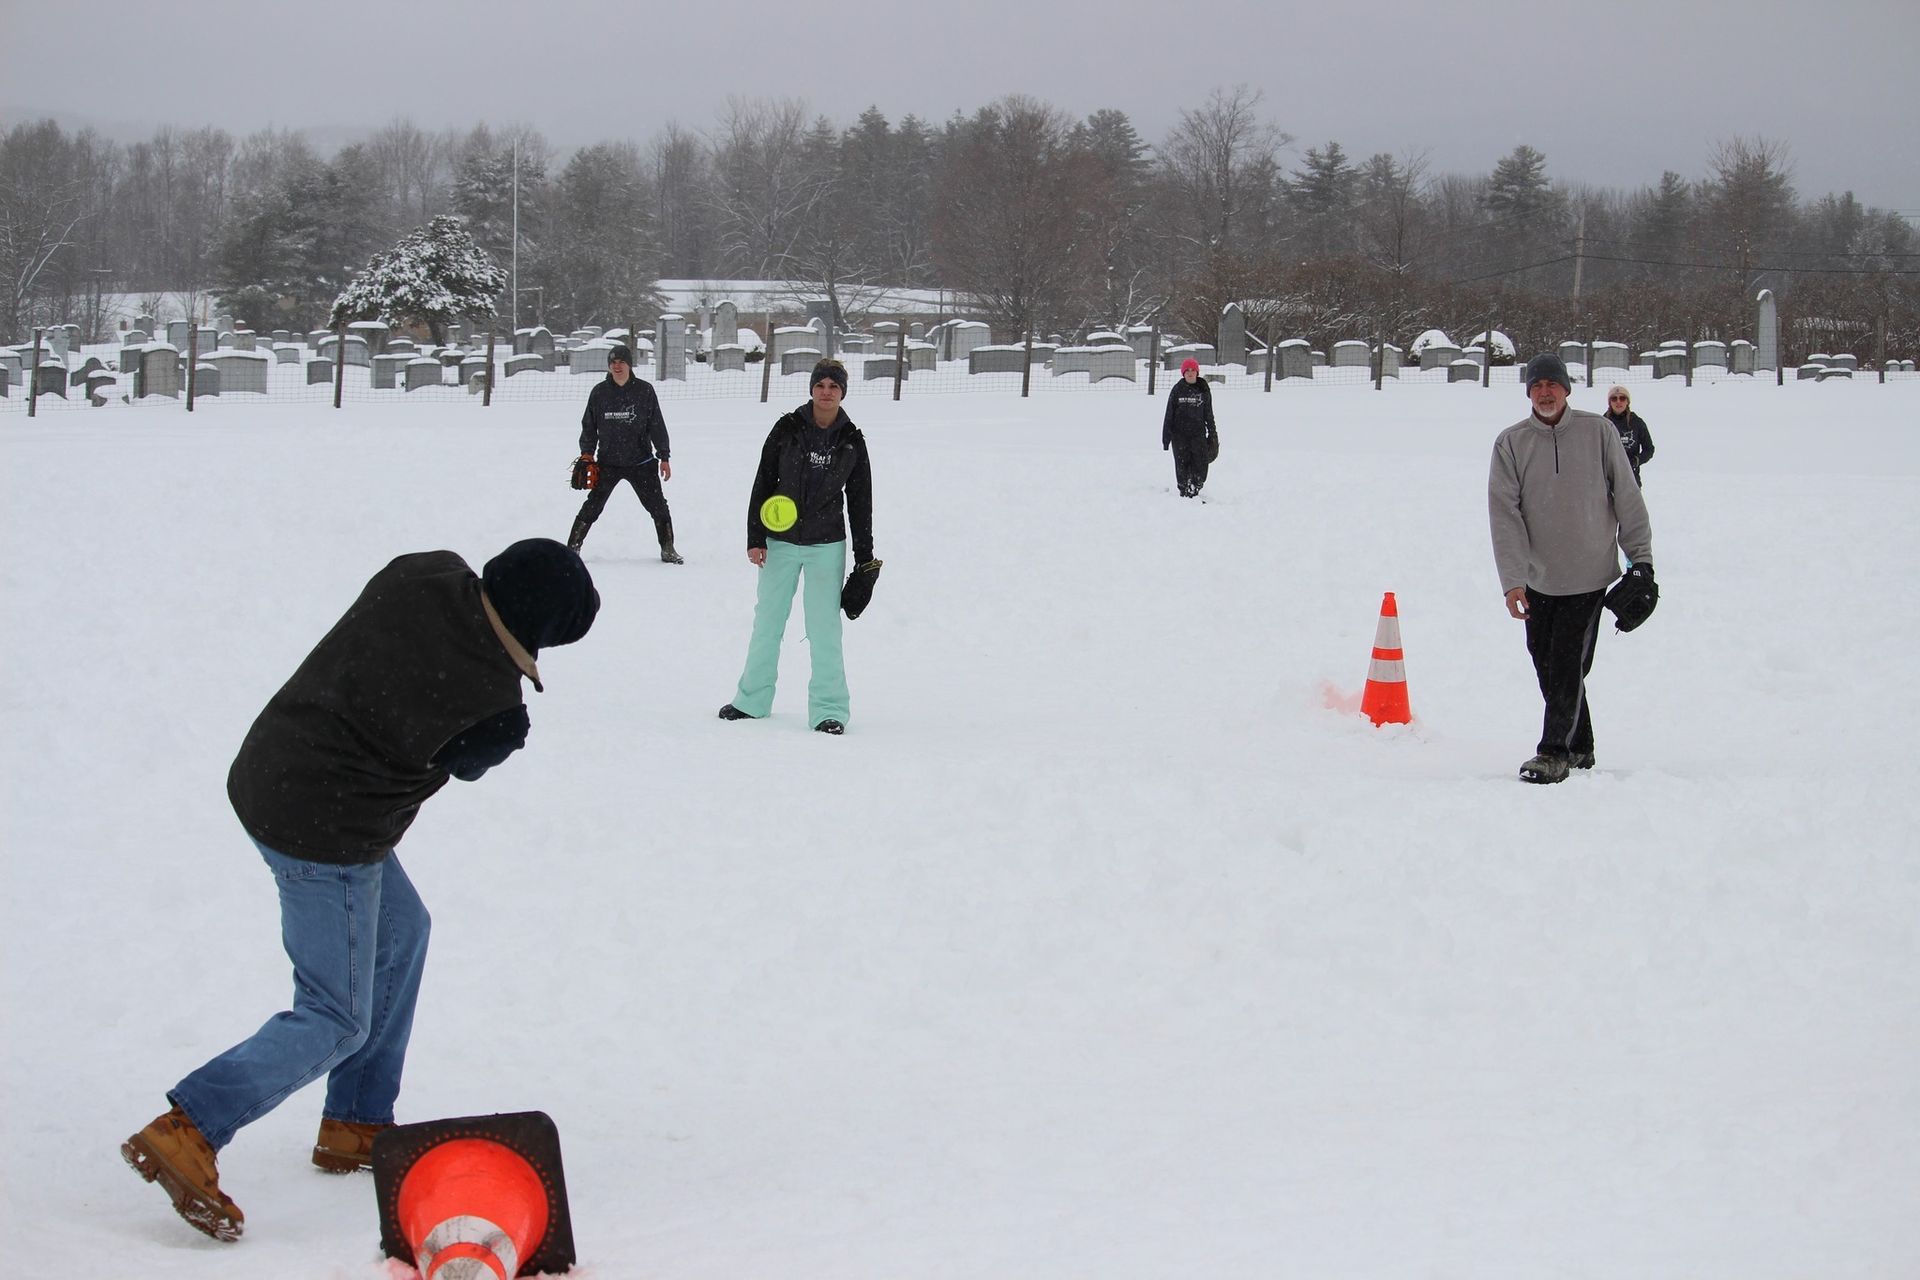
(1561, 497)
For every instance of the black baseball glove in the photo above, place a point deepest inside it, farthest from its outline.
(859, 589)
(1633, 598)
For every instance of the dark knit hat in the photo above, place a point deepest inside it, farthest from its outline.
(543, 593)
(1550, 367)
(829, 371)
(621, 351)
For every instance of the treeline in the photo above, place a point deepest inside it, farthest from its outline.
(1040, 219)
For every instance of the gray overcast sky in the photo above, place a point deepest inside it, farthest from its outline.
(1613, 91)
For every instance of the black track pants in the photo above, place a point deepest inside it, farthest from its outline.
(1190, 462)
(646, 482)
(1561, 631)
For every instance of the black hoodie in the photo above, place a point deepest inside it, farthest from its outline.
(624, 423)
(814, 468)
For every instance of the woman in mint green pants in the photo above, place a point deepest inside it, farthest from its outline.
(814, 479)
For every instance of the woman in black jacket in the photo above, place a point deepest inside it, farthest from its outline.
(1634, 435)
(814, 479)
(1188, 429)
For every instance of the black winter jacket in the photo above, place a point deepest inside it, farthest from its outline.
(814, 468)
(1189, 411)
(1634, 438)
(411, 685)
(624, 423)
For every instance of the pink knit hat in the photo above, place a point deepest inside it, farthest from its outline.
(1189, 365)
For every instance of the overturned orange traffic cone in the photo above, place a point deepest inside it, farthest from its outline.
(1385, 701)
(481, 1198)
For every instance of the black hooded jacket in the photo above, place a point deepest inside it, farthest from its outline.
(413, 685)
(815, 468)
(1189, 411)
(624, 423)
(1634, 438)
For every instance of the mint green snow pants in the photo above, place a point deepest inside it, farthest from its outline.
(825, 566)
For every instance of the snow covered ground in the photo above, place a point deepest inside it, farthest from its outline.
(1109, 942)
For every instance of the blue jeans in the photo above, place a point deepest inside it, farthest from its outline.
(357, 937)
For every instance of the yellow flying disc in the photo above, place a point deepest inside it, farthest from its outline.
(778, 513)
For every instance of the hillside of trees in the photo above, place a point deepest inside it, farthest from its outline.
(1037, 218)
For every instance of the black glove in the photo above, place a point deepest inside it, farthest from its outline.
(477, 748)
(859, 589)
(1213, 447)
(1633, 598)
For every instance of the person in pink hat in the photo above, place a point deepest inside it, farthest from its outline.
(1189, 430)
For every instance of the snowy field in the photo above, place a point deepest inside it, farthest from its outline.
(1109, 942)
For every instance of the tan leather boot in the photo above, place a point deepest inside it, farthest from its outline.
(344, 1145)
(172, 1152)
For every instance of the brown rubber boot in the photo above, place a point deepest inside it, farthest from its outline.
(344, 1145)
(172, 1152)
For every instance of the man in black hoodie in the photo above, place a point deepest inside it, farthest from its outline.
(417, 683)
(623, 423)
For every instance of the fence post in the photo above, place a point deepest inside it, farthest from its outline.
(193, 358)
(1486, 367)
(1379, 358)
(766, 360)
(1880, 344)
(486, 397)
(340, 361)
(1026, 365)
(1153, 357)
(33, 378)
(1693, 332)
(900, 362)
(1589, 360)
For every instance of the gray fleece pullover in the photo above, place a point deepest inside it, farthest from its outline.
(1560, 499)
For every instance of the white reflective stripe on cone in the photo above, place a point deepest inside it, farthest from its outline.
(1388, 636)
(467, 1229)
(1385, 672)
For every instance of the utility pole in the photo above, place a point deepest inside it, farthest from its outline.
(516, 235)
(1579, 255)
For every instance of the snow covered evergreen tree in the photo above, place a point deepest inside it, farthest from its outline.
(435, 274)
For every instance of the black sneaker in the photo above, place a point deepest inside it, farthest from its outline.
(1581, 760)
(731, 712)
(669, 556)
(1544, 769)
(830, 726)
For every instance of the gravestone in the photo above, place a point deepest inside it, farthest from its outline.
(1352, 355)
(1438, 355)
(886, 337)
(177, 334)
(400, 346)
(100, 388)
(788, 336)
(281, 335)
(1067, 360)
(798, 360)
(78, 377)
(386, 371)
(319, 370)
(921, 355)
(878, 367)
(1296, 359)
(820, 317)
(1042, 353)
(1114, 360)
(1172, 357)
(1573, 353)
(473, 365)
(526, 362)
(56, 345)
(208, 339)
(135, 338)
(206, 380)
(286, 353)
(50, 379)
(130, 358)
(372, 334)
(523, 339)
(999, 359)
(224, 323)
(1668, 362)
(968, 336)
(917, 331)
(355, 347)
(726, 325)
(1233, 335)
(1843, 360)
(244, 340)
(1462, 370)
(158, 373)
(857, 344)
(1140, 338)
(145, 323)
(425, 371)
(1767, 332)
(1391, 359)
(1709, 355)
(242, 370)
(1809, 372)
(317, 336)
(588, 361)
(1609, 355)
(1256, 361)
(1740, 356)
(729, 357)
(670, 350)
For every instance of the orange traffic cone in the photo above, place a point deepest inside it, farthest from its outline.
(480, 1198)
(1385, 701)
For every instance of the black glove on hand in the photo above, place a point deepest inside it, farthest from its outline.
(478, 747)
(855, 596)
(1633, 598)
